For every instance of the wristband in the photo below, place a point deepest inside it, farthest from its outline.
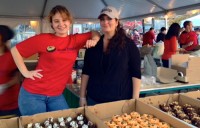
(82, 98)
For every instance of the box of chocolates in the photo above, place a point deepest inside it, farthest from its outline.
(180, 107)
(71, 118)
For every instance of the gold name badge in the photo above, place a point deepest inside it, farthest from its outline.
(51, 48)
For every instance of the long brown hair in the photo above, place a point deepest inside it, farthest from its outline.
(118, 40)
(62, 10)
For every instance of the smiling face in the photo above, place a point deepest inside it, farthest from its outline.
(108, 25)
(60, 19)
(60, 24)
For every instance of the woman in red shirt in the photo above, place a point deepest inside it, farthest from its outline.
(9, 77)
(43, 87)
(170, 43)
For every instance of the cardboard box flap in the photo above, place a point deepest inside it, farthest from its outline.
(194, 62)
(92, 117)
(160, 99)
(193, 94)
(185, 60)
(107, 110)
(9, 123)
(166, 75)
(168, 98)
(179, 59)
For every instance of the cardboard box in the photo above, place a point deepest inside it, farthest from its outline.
(166, 75)
(38, 118)
(193, 94)
(155, 101)
(9, 123)
(189, 66)
(105, 112)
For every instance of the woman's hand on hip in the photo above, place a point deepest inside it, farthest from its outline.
(33, 74)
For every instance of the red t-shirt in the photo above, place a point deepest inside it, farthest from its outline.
(187, 37)
(148, 38)
(170, 48)
(56, 65)
(9, 98)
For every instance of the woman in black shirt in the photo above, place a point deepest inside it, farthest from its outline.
(112, 68)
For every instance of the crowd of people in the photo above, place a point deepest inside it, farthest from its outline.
(175, 39)
(113, 75)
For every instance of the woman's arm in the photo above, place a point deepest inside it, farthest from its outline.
(136, 87)
(84, 82)
(15, 80)
(22, 67)
(88, 39)
(95, 38)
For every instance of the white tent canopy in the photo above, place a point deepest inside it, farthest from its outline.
(195, 20)
(15, 11)
(89, 9)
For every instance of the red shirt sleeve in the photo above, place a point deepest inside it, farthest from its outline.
(30, 46)
(80, 39)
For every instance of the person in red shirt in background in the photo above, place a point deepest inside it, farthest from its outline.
(9, 77)
(188, 38)
(43, 87)
(170, 43)
(149, 37)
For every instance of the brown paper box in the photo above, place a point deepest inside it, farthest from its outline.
(191, 71)
(105, 112)
(155, 101)
(9, 123)
(193, 94)
(38, 118)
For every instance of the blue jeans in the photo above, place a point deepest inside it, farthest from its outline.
(30, 104)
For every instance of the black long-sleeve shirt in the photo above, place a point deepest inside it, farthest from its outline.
(110, 75)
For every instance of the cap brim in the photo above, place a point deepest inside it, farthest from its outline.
(105, 13)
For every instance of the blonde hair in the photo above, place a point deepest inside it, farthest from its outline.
(62, 10)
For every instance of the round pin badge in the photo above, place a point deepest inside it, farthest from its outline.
(51, 48)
